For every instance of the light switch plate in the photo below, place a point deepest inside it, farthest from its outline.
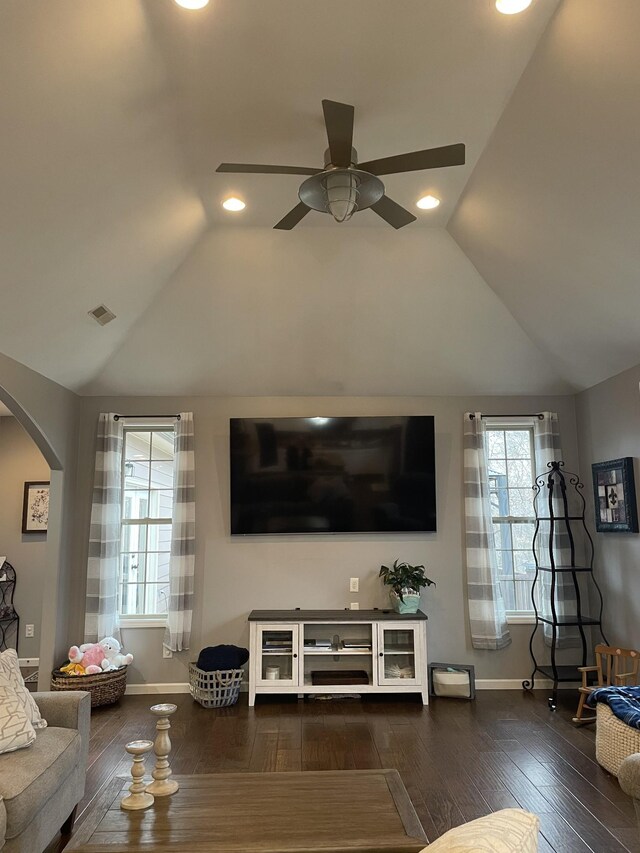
(354, 585)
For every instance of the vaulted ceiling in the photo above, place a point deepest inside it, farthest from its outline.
(116, 113)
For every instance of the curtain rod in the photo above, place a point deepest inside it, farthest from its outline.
(117, 417)
(538, 415)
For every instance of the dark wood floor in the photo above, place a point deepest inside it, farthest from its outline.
(459, 760)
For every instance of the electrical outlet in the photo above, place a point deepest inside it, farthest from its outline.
(29, 631)
(355, 605)
(354, 585)
(166, 653)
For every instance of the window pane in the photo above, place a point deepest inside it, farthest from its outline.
(162, 475)
(495, 444)
(508, 595)
(132, 568)
(132, 599)
(522, 535)
(137, 445)
(523, 595)
(163, 445)
(134, 537)
(497, 468)
(157, 598)
(136, 503)
(518, 442)
(136, 475)
(157, 567)
(502, 536)
(499, 503)
(159, 537)
(519, 471)
(521, 502)
(524, 565)
(161, 503)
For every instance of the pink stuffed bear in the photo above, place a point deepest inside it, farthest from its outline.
(89, 655)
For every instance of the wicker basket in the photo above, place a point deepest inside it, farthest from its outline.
(105, 687)
(216, 689)
(615, 740)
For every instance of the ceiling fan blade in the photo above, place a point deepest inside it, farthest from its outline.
(266, 170)
(392, 212)
(338, 119)
(431, 158)
(293, 217)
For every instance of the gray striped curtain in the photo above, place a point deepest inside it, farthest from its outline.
(487, 614)
(546, 435)
(183, 538)
(101, 613)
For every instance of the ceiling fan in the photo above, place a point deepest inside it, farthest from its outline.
(345, 186)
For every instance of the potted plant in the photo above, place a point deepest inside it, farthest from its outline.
(406, 582)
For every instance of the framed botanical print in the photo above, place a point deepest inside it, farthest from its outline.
(614, 496)
(35, 507)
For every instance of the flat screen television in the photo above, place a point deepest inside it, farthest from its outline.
(332, 475)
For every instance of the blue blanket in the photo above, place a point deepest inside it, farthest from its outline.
(623, 701)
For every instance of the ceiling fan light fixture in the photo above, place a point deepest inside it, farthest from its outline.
(341, 192)
(192, 4)
(428, 202)
(233, 204)
(512, 7)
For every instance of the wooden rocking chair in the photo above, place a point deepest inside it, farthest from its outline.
(613, 668)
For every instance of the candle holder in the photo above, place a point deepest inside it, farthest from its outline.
(138, 797)
(162, 785)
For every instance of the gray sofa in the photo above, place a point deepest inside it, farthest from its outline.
(41, 786)
(629, 778)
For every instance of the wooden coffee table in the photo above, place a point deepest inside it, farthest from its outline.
(368, 811)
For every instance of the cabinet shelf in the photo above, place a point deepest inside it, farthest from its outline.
(565, 569)
(316, 653)
(569, 621)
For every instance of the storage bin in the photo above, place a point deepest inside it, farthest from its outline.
(217, 689)
(454, 680)
(105, 688)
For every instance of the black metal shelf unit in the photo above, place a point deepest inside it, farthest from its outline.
(565, 533)
(9, 619)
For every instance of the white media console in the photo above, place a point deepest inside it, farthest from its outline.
(337, 651)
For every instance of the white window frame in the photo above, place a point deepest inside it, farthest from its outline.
(516, 617)
(140, 620)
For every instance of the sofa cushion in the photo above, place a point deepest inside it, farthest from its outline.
(16, 731)
(29, 777)
(506, 831)
(10, 668)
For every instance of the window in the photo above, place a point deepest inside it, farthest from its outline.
(147, 507)
(511, 469)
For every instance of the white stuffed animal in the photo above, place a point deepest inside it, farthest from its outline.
(113, 655)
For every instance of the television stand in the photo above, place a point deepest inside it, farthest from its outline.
(337, 651)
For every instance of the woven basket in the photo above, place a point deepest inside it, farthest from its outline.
(216, 689)
(615, 740)
(105, 687)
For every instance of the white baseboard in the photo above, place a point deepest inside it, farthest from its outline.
(481, 684)
(29, 661)
(169, 687)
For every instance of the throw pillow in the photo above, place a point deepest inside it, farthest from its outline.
(506, 831)
(10, 668)
(16, 730)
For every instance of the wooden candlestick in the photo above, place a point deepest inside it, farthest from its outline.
(138, 797)
(162, 785)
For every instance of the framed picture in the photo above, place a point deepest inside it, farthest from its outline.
(35, 507)
(614, 496)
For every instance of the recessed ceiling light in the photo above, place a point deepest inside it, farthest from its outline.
(512, 7)
(427, 202)
(192, 4)
(234, 204)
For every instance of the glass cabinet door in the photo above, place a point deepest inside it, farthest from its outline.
(398, 658)
(278, 650)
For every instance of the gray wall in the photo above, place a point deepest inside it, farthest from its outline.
(49, 413)
(609, 427)
(235, 575)
(20, 460)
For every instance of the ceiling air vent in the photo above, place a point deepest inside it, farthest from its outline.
(102, 315)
